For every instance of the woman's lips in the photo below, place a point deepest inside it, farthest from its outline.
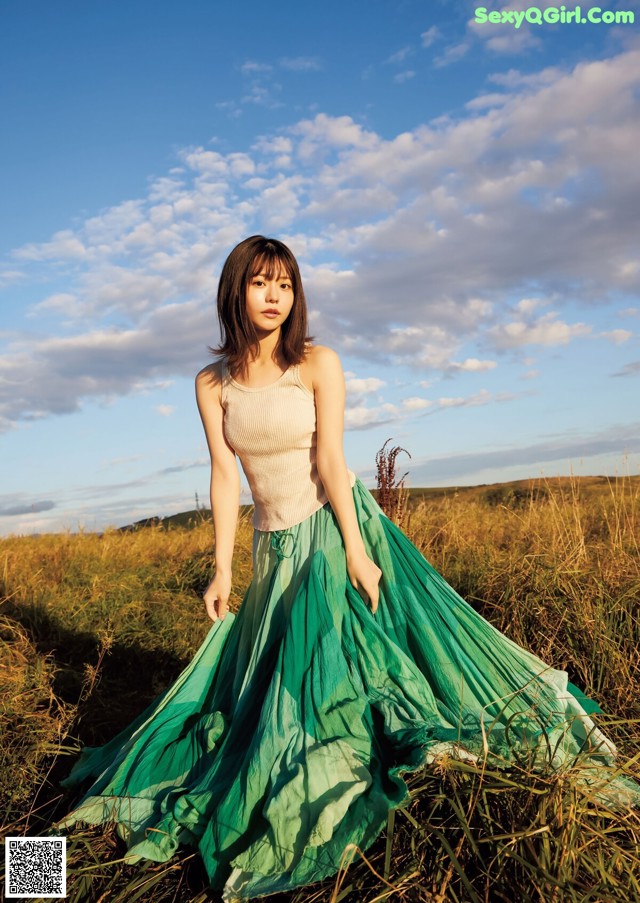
(271, 313)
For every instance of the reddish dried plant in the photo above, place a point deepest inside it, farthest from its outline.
(392, 495)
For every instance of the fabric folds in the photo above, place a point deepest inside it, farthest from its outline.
(286, 737)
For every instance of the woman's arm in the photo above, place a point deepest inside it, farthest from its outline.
(329, 391)
(225, 489)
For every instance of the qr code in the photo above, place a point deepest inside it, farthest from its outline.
(35, 866)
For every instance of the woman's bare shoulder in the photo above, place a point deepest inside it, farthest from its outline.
(209, 379)
(321, 365)
(321, 356)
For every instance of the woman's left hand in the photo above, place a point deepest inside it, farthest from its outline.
(364, 576)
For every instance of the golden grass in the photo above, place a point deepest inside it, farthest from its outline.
(93, 627)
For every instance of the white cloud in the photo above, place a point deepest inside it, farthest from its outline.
(230, 107)
(60, 302)
(412, 247)
(63, 245)
(362, 386)
(482, 101)
(113, 225)
(280, 202)
(546, 330)
(262, 96)
(415, 403)
(430, 35)
(509, 41)
(473, 365)
(478, 398)
(252, 67)
(165, 410)
(528, 305)
(300, 63)
(400, 55)
(401, 77)
(362, 416)
(451, 54)
(9, 276)
(55, 375)
(617, 336)
(328, 132)
(513, 78)
(273, 144)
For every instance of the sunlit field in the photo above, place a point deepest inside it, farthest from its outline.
(93, 627)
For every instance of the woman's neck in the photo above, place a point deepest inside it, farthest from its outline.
(267, 349)
(267, 357)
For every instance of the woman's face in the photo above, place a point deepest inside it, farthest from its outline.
(269, 297)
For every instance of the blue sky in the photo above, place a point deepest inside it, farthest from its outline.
(463, 200)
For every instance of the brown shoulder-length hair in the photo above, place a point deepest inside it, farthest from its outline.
(239, 340)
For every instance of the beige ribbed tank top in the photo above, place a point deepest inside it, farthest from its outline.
(272, 429)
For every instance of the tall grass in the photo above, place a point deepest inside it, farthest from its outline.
(93, 627)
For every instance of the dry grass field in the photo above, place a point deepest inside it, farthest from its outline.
(92, 627)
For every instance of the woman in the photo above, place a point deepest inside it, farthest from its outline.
(350, 660)
(264, 337)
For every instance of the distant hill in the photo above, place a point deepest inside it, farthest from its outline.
(184, 519)
(509, 493)
(589, 484)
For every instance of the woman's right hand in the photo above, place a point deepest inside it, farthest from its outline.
(216, 596)
(364, 576)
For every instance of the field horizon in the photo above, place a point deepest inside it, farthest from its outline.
(415, 495)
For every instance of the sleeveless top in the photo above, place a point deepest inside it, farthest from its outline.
(272, 429)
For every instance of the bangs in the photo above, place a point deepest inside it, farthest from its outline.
(271, 265)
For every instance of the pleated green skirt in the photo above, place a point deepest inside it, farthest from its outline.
(286, 737)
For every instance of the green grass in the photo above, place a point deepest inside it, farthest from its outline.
(92, 627)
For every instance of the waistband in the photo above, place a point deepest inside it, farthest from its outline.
(283, 543)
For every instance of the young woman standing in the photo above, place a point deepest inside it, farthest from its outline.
(350, 660)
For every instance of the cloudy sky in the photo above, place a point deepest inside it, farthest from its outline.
(463, 198)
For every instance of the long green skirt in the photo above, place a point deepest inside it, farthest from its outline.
(286, 737)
